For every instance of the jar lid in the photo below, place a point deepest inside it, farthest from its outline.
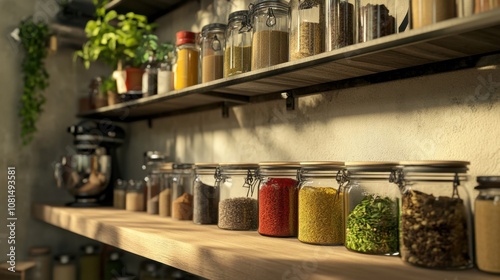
(183, 166)
(371, 166)
(185, 37)
(238, 166)
(114, 256)
(268, 3)
(279, 164)
(206, 165)
(64, 258)
(89, 249)
(322, 165)
(435, 166)
(488, 182)
(213, 27)
(169, 166)
(238, 14)
(38, 251)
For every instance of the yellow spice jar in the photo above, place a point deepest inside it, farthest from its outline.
(188, 58)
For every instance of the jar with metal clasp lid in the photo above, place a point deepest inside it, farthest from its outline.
(321, 202)
(238, 196)
(307, 28)
(238, 50)
(435, 226)
(372, 208)
(213, 40)
(182, 191)
(270, 25)
(206, 194)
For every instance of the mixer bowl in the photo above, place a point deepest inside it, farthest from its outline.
(83, 175)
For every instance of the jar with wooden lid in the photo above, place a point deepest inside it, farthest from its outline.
(213, 40)
(182, 191)
(436, 229)
(427, 12)
(307, 28)
(375, 19)
(278, 198)
(64, 268)
(487, 224)
(238, 49)
(321, 203)
(372, 208)
(187, 60)
(238, 196)
(206, 194)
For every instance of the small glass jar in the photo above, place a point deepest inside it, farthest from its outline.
(321, 203)
(182, 191)
(238, 197)
(119, 193)
(165, 196)
(64, 268)
(485, 5)
(340, 24)
(153, 161)
(307, 28)
(487, 224)
(187, 60)
(165, 75)
(113, 267)
(278, 198)
(270, 21)
(238, 50)
(372, 208)
(435, 214)
(90, 263)
(375, 19)
(135, 196)
(426, 12)
(43, 263)
(150, 76)
(213, 40)
(206, 194)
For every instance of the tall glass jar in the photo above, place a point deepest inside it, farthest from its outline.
(119, 193)
(238, 50)
(435, 214)
(42, 258)
(64, 268)
(153, 160)
(487, 224)
(278, 198)
(307, 28)
(187, 60)
(485, 5)
(182, 191)
(165, 197)
(426, 12)
(375, 19)
(238, 197)
(321, 203)
(340, 24)
(165, 75)
(89, 263)
(270, 25)
(213, 40)
(206, 194)
(134, 199)
(150, 76)
(372, 208)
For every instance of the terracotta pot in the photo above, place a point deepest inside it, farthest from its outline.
(133, 79)
(113, 98)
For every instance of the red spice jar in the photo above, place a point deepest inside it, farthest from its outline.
(278, 198)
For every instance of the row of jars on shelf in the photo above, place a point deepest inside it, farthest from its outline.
(418, 210)
(276, 31)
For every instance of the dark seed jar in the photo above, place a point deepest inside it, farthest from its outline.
(435, 214)
(206, 194)
(372, 208)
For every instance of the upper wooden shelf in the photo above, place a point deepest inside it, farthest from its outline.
(213, 253)
(446, 46)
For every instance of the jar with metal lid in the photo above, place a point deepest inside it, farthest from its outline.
(372, 208)
(278, 198)
(321, 203)
(487, 224)
(114, 266)
(340, 24)
(270, 25)
(153, 161)
(134, 200)
(435, 214)
(238, 196)
(165, 196)
(182, 191)
(187, 60)
(213, 40)
(206, 194)
(307, 28)
(90, 263)
(426, 12)
(43, 263)
(375, 19)
(119, 193)
(238, 50)
(165, 75)
(64, 268)
(485, 5)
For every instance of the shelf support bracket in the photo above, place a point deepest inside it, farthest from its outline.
(289, 100)
(225, 110)
(150, 123)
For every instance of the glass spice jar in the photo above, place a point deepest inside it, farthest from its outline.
(238, 50)
(89, 263)
(153, 160)
(307, 28)
(150, 76)
(182, 191)
(435, 214)
(487, 224)
(372, 208)
(187, 60)
(42, 258)
(426, 12)
(119, 193)
(485, 5)
(135, 196)
(206, 194)
(64, 268)
(278, 198)
(321, 203)
(165, 196)
(375, 19)
(238, 196)
(340, 24)
(213, 40)
(165, 75)
(270, 25)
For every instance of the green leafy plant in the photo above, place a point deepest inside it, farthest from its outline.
(148, 45)
(108, 84)
(34, 38)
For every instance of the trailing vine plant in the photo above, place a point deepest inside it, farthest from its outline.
(34, 38)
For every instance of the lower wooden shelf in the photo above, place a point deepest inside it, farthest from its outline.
(213, 253)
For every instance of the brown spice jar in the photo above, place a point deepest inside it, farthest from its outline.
(426, 12)
(269, 47)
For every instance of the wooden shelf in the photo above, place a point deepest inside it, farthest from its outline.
(213, 253)
(153, 9)
(446, 46)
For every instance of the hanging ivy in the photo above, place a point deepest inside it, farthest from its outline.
(34, 38)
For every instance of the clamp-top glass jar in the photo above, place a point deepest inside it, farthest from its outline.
(182, 191)
(238, 196)
(487, 224)
(307, 28)
(372, 208)
(213, 40)
(206, 194)
(270, 33)
(238, 51)
(321, 203)
(435, 214)
(153, 160)
(278, 198)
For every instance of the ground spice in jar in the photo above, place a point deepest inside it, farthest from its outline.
(164, 203)
(182, 207)
(278, 202)
(375, 22)
(485, 5)
(434, 231)
(269, 47)
(206, 204)
(426, 12)
(212, 67)
(342, 25)
(308, 42)
(237, 60)
(487, 224)
(238, 213)
(321, 215)
(134, 201)
(119, 198)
